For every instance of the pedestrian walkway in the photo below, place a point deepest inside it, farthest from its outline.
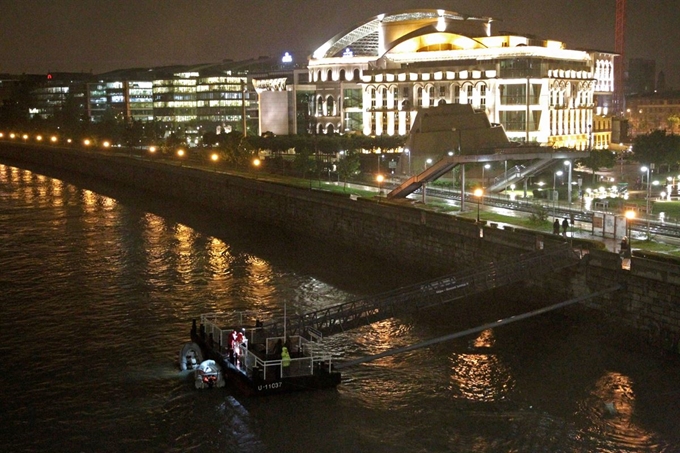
(579, 229)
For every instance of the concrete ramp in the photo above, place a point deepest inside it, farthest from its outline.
(430, 174)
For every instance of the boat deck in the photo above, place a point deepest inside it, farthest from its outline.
(254, 360)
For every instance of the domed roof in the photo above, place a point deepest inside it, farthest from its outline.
(380, 33)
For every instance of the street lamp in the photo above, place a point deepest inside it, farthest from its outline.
(453, 174)
(557, 173)
(568, 162)
(630, 216)
(649, 189)
(380, 178)
(478, 193)
(485, 167)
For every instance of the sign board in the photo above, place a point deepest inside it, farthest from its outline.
(609, 225)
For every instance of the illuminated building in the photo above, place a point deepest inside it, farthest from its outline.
(174, 98)
(59, 92)
(373, 77)
(652, 111)
(124, 99)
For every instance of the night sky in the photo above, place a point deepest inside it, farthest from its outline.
(99, 35)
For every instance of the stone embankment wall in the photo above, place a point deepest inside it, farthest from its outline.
(416, 238)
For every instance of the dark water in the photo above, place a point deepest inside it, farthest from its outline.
(98, 289)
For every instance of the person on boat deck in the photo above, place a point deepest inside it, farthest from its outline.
(278, 347)
(236, 338)
(285, 360)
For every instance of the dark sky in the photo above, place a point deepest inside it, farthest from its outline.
(101, 35)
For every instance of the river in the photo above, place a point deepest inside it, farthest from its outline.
(99, 285)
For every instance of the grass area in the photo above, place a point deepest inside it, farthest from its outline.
(657, 247)
(446, 208)
(670, 209)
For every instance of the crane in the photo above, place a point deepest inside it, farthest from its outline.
(619, 60)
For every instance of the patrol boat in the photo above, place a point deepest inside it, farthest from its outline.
(257, 363)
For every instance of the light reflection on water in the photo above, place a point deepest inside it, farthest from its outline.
(98, 296)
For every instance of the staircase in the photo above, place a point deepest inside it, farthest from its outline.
(428, 294)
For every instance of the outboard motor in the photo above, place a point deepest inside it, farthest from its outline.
(191, 362)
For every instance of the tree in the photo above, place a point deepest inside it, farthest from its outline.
(304, 162)
(598, 159)
(657, 147)
(348, 166)
(236, 149)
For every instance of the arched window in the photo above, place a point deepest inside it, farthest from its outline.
(330, 130)
(342, 74)
(419, 95)
(330, 106)
(329, 76)
(320, 129)
(482, 95)
(357, 75)
(319, 105)
(432, 95)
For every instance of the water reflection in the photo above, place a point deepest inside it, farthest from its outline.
(610, 407)
(109, 289)
(480, 376)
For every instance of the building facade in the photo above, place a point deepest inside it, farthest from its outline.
(373, 78)
(653, 111)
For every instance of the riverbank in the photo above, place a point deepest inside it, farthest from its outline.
(410, 237)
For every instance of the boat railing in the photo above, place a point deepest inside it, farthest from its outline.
(306, 356)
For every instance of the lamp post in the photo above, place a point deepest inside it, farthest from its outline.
(380, 178)
(557, 173)
(554, 191)
(568, 162)
(649, 189)
(485, 167)
(256, 162)
(478, 193)
(630, 216)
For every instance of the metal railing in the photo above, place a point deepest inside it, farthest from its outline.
(428, 294)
